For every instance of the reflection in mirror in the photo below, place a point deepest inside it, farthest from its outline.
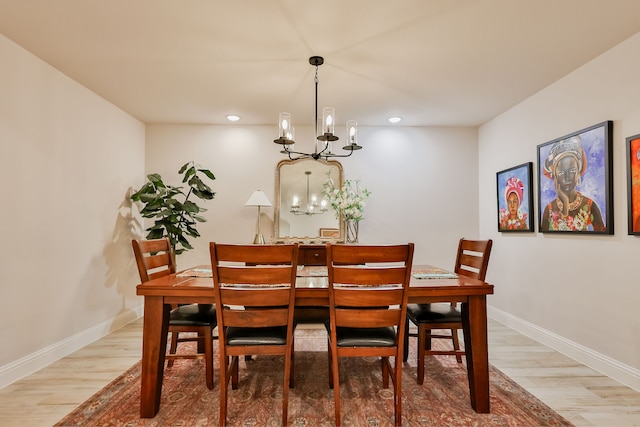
(302, 212)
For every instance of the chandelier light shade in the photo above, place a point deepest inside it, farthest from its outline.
(325, 134)
(352, 131)
(328, 125)
(284, 126)
(259, 199)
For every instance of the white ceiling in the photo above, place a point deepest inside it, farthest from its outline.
(433, 62)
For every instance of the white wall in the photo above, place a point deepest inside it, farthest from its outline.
(578, 293)
(423, 183)
(68, 159)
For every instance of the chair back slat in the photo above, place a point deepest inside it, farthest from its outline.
(256, 318)
(364, 275)
(345, 254)
(472, 258)
(367, 297)
(370, 318)
(256, 254)
(157, 260)
(255, 274)
(255, 296)
(153, 258)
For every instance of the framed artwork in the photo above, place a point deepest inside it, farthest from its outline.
(515, 198)
(575, 192)
(330, 232)
(633, 183)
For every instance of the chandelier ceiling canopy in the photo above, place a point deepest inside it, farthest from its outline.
(325, 135)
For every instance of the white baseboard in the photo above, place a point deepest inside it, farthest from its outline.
(33, 362)
(606, 365)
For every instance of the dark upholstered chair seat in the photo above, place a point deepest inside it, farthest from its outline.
(433, 313)
(257, 336)
(193, 315)
(364, 337)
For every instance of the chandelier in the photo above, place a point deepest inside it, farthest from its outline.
(324, 138)
(312, 203)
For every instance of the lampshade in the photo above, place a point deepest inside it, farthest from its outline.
(258, 198)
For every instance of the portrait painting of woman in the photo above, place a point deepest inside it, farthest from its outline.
(514, 198)
(574, 182)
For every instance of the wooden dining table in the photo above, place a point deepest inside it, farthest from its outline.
(193, 286)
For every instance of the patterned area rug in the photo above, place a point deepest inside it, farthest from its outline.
(443, 400)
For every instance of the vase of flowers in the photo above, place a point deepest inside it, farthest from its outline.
(348, 204)
(352, 231)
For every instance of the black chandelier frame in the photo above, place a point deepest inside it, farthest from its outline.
(326, 138)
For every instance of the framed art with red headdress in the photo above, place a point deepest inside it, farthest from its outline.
(515, 198)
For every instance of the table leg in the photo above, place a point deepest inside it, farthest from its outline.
(154, 344)
(474, 321)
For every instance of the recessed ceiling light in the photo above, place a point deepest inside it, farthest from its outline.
(233, 118)
(394, 119)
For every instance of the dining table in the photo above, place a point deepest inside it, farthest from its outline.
(428, 284)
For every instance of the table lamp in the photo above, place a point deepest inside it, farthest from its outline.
(259, 199)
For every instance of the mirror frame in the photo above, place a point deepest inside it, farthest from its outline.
(276, 217)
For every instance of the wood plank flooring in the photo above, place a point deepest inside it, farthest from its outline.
(580, 394)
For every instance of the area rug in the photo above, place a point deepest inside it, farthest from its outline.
(443, 400)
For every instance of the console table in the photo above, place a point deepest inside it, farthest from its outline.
(312, 255)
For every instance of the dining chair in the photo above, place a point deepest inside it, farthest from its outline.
(154, 259)
(368, 292)
(472, 260)
(254, 287)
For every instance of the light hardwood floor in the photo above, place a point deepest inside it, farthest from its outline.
(580, 394)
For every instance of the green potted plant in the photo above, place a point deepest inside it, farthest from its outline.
(175, 215)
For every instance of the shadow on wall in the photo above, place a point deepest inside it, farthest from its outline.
(122, 272)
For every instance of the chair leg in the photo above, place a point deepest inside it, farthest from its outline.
(224, 383)
(292, 369)
(208, 357)
(456, 344)
(201, 342)
(397, 393)
(288, 361)
(235, 371)
(336, 389)
(385, 372)
(423, 340)
(173, 348)
(405, 355)
(330, 367)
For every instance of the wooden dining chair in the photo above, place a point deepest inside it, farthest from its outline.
(368, 291)
(254, 287)
(472, 260)
(154, 259)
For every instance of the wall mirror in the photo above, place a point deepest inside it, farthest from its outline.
(301, 212)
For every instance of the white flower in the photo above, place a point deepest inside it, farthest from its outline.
(348, 201)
